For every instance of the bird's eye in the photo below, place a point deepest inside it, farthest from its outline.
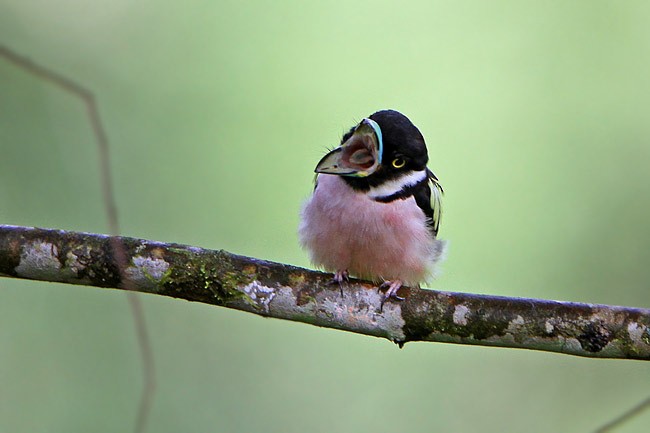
(399, 162)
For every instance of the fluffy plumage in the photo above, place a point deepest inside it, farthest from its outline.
(344, 229)
(375, 209)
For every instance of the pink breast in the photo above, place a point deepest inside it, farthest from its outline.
(344, 229)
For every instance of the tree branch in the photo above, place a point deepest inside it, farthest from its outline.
(292, 293)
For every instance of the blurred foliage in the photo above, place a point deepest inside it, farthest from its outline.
(536, 118)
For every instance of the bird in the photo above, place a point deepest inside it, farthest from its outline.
(375, 209)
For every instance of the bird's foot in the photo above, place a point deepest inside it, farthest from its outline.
(340, 278)
(391, 293)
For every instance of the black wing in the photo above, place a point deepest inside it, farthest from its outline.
(428, 197)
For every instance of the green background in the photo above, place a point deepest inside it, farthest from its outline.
(536, 117)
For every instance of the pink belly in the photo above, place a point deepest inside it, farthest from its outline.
(343, 229)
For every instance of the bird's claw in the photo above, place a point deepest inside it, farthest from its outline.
(340, 278)
(391, 293)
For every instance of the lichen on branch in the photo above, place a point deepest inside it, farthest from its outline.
(292, 293)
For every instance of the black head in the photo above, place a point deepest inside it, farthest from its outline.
(372, 152)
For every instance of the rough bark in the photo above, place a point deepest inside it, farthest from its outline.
(292, 293)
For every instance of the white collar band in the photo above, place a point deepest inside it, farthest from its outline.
(392, 187)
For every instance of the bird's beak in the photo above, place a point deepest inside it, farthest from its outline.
(359, 156)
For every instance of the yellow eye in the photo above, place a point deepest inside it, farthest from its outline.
(399, 163)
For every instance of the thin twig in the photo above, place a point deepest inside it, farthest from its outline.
(625, 417)
(70, 86)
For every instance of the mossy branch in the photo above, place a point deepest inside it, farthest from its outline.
(288, 292)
